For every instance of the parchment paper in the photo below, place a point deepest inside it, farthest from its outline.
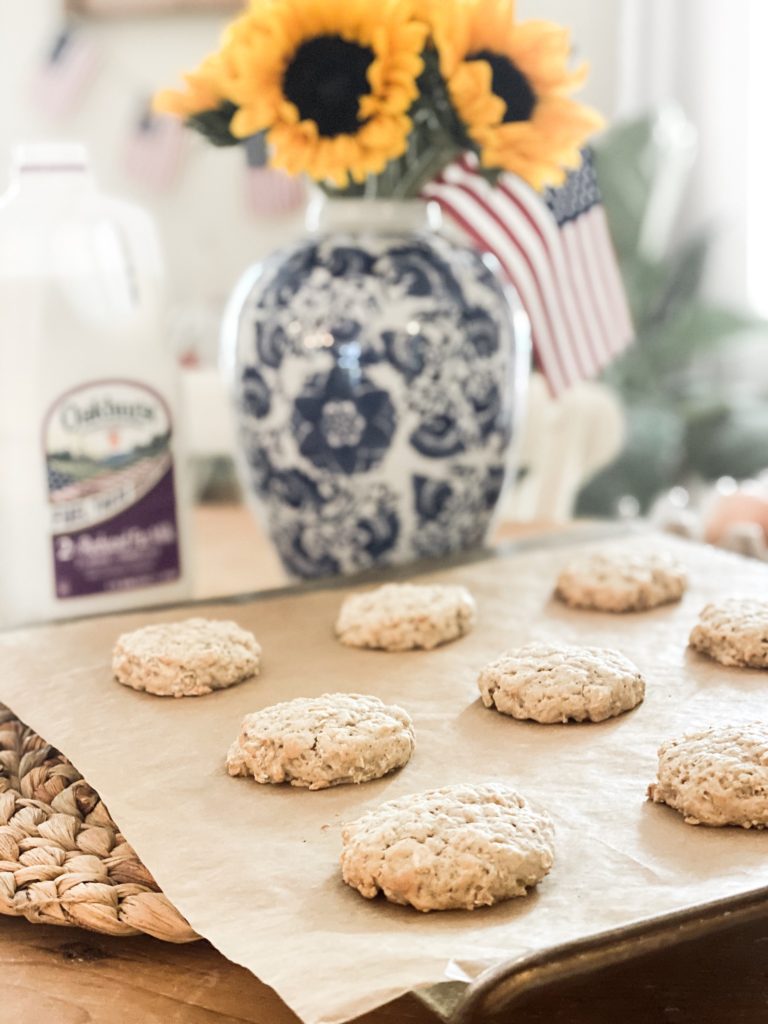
(255, 868)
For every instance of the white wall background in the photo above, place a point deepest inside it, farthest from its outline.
(707, 56)
(208, 234)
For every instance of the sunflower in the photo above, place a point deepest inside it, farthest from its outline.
(203, 90)
(202, 103)
(330, 80)
(510, 84)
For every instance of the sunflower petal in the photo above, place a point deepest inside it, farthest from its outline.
(541, 148)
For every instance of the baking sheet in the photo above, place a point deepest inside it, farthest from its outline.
(255, 868)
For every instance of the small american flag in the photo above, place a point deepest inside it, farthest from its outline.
(556, 250)
(153, 151)
(68, 69)
(268, 192)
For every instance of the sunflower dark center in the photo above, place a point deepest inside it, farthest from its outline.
(325, 79)
(510, 84)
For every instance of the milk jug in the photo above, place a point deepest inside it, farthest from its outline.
(91, 501)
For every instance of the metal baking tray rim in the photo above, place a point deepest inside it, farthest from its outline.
(501, 987)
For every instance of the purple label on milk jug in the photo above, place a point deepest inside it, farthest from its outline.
(111, 489)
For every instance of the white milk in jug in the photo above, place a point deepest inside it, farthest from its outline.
(91, 501)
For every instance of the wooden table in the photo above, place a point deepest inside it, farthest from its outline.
(65, 976)
(52, 975)
(232, 554)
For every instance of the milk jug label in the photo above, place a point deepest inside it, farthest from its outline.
(111, 489)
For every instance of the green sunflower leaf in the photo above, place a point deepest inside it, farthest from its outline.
(214, 124)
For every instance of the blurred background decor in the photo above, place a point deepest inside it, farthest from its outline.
(215, 218)
(729, 513)
(378, 367)
(680, 429)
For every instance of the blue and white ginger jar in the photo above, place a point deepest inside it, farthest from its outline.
(378, 371)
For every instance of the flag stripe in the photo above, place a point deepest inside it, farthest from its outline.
(578, 273)
(557, 251)
(154, 150)
(528, 202)
(453, 202)
(528, 234)
(571, 235)
(571, 279)
(594, 247)
(463, 212)
(63, 80)
(593, 277)
(527, 242)
(517, 267)
(272, 193)
(521, 219)
(606, 255)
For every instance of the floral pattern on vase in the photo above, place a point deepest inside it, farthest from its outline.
(376, 384)
(343, 424)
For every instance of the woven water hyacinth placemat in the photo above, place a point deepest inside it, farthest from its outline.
(62, 858)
